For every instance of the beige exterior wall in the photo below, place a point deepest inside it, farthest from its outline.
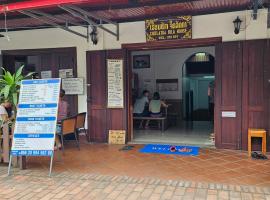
(214, 25)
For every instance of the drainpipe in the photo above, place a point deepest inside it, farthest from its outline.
(34, 4)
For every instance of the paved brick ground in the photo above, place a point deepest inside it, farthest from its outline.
(211, 165)
(36, 185)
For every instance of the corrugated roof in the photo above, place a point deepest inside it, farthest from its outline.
(135, 11)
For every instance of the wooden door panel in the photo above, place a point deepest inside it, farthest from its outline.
(228, 94)
(255, 88)
(230, 126)
(117, 118)
(97, 79)
(98, 125)
(266, 86)
(229, 76)
(103, 119)
(96, 96)
(46, 63)
(256, 119)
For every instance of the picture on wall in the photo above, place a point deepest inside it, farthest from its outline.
(141, 61)
(167, 85)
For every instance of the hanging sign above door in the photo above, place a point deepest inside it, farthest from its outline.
(168, 28)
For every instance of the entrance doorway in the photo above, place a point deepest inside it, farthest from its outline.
(184, 80)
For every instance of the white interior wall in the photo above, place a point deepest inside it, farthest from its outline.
(199, 86)
(166, 64)
(214, 25)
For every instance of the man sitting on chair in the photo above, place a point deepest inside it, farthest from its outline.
(63, 112)
(140, 106)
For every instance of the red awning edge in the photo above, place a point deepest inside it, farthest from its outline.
(34, 4)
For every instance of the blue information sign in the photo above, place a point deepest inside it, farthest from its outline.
(35, 126)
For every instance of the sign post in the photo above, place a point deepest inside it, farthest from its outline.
(35, 126)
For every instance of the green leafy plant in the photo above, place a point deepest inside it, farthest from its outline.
(10, 85)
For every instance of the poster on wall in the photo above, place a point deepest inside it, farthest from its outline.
(167, 85)
(141, 61)
(173, 28)
(115, 84)
(65, 73)
(46, 74)
(73, 86)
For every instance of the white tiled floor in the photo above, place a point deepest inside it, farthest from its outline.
(196, 133)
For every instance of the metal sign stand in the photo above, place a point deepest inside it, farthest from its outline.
(51, 164)
(50, 171)
(9, 164)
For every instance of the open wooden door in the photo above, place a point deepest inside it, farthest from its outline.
(100, 118)
(228, 87)
(256, 87)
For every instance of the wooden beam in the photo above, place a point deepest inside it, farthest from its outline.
(171, 44)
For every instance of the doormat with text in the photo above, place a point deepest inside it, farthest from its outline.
(171, 149)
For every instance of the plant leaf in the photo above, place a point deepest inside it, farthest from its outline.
(5, 91)
(8, 78)
(19, 72)
(29, 74)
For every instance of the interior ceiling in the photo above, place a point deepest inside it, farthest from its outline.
(132, 11)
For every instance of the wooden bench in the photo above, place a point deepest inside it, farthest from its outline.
(162, 119)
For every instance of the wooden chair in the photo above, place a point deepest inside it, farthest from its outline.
(80, 122)
(68, 126)
(261, 133)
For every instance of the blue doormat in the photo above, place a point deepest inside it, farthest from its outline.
(170, 149)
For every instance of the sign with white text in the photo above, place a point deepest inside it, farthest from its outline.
(35, 126)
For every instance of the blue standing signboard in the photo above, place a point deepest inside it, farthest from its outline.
(35, 127)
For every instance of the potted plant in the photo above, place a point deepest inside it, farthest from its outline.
(10, 86)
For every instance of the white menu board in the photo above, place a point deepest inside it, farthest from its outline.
(35, 126)
(73, 86)
(115, 83)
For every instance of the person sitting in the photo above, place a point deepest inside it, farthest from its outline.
(63, 112)
(63, 107)
(4, 116)
(140, 106)
(155, 107)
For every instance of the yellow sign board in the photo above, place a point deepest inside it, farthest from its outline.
(168, 28)
(117, 137)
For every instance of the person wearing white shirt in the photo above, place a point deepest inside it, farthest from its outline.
(140, 106)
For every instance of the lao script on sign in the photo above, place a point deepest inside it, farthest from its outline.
(117, 137)
(115, 84)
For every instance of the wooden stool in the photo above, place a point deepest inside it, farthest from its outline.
(261, 133)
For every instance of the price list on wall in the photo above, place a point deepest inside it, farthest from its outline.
(115, 83)
(36, 118)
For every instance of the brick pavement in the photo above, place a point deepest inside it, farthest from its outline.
(211, 165)
(36, 185)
